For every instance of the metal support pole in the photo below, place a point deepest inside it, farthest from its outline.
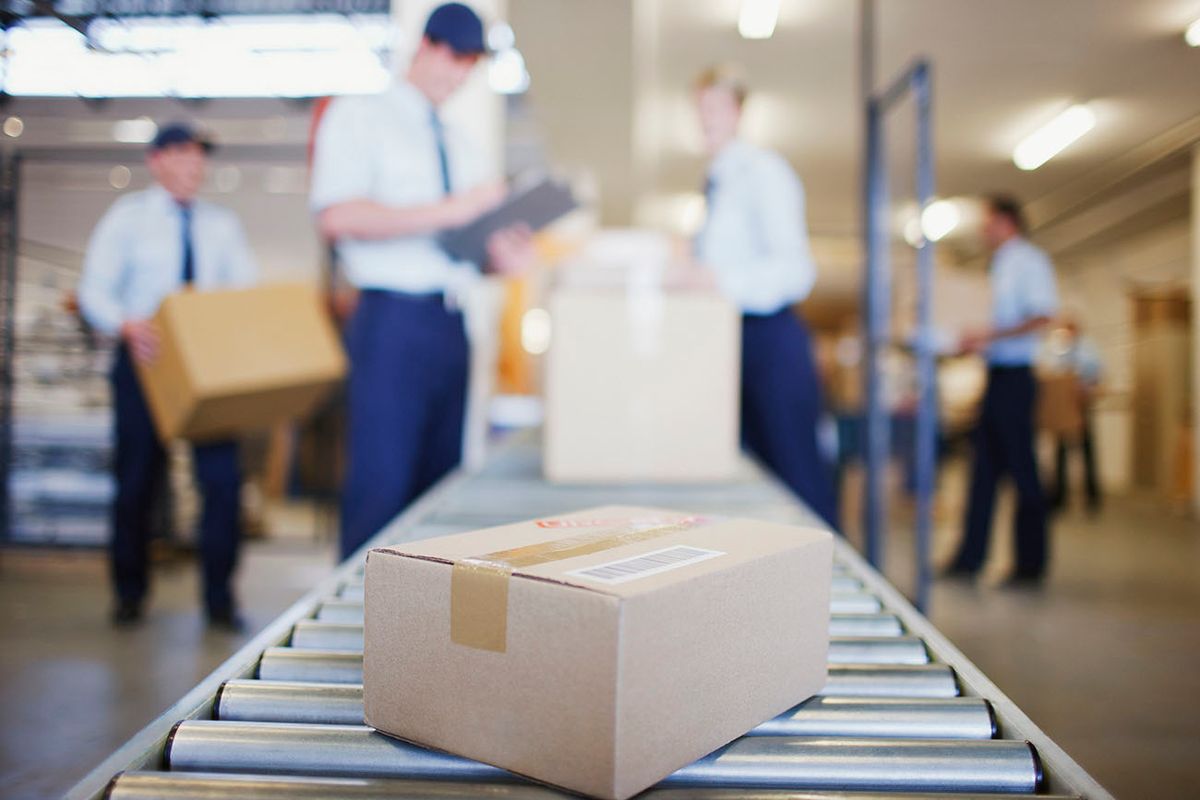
(877, 297)
(926, 425)
(10, 166)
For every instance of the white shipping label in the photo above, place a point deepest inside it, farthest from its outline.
(646, 564)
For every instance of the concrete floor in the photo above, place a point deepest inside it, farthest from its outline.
(1103, 658)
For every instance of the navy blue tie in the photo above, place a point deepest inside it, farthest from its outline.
(189, 257)
(439, 135)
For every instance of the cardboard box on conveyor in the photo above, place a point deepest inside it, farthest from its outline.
(642, 375)
(240, 360)
(598, 651)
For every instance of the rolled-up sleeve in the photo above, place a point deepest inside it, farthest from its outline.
(103, 270)
(341, 168)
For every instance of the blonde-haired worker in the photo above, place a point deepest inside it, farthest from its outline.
(755, 244)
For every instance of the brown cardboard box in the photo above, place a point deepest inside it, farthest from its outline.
(642, 384)
(1060, 404)
(240, 360)
(599, 651)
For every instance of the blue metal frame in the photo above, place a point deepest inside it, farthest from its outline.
(877, 298)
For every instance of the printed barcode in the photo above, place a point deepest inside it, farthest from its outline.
(646, 564)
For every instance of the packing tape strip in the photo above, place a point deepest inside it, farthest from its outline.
(479, 585)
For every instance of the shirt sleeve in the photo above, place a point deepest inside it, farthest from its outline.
(1040, 288)
(103, 268)
(784, 267)
(241, 269)
(341, 169)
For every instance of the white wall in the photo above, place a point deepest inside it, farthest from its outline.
(1094, 285)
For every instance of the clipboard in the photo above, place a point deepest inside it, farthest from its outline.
(536, 205)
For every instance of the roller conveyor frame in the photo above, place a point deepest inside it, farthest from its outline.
(144, 753)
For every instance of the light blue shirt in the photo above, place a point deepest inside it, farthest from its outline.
(135, 257)
(382, 148)
(1023, 288)
(754, 237)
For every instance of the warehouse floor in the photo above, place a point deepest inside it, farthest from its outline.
(1103, 658)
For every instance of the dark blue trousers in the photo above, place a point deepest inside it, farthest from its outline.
(141, 465)
(407, 397)
(1003, 441)
(781, 405)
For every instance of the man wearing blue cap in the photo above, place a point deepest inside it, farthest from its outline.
(148, 245)
(388, 176)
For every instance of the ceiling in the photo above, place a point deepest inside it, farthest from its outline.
(1000, 70)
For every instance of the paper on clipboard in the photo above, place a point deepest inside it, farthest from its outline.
(536, 205)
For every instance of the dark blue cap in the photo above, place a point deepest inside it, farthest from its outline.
(458, 26)
(179, 133)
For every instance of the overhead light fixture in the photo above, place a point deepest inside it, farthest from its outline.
(940, 218)
(1055, 136)
(1192, 34)
(757, 18)
(119, 176)
(507, 73)
(14, 127)
(135, 131)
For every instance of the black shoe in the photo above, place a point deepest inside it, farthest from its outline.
(226, 619)
(958, 572)
(1022, 579)
(126, 614)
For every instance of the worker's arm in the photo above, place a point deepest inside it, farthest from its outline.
(1039, 302)
(978, 340)
(100, 287)
(367, 219)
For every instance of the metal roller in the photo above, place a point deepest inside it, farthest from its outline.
(319, 666)
(319, 634)
(845, 680)
(865, 625)
(845, 584)
(352, 591)
(208, 786)
(341, 704)
(877, 650)
(340, 611)
(891, 680)
(868, 764)
(854, 603)
(757, 762)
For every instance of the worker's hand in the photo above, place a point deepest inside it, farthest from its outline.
(141, 337)
(511, 251)
(974, 342)
(465, 207)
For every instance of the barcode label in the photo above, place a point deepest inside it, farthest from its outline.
(628, 569)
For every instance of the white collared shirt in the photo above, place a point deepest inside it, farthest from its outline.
(1023, 288)
(135, 256)
(755, 237)
(382, 148)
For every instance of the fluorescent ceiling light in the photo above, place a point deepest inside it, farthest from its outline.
(1192, 34)
(276, 56)
(757, 18)
(1052, 138)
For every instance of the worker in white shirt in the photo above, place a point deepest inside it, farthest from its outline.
(149, 245)
(755, 244)
(388, 176)
(1068, 350)
(1024, 299)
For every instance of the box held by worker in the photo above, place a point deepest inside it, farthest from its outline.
(598, 651)
(239, 360)
(641, 384)
(1060, 404)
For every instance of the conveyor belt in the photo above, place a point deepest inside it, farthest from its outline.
(902, 711)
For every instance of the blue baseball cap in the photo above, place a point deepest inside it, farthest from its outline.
(174, 133)
(458, 26)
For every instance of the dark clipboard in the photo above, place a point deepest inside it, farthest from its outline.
(536, 205)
